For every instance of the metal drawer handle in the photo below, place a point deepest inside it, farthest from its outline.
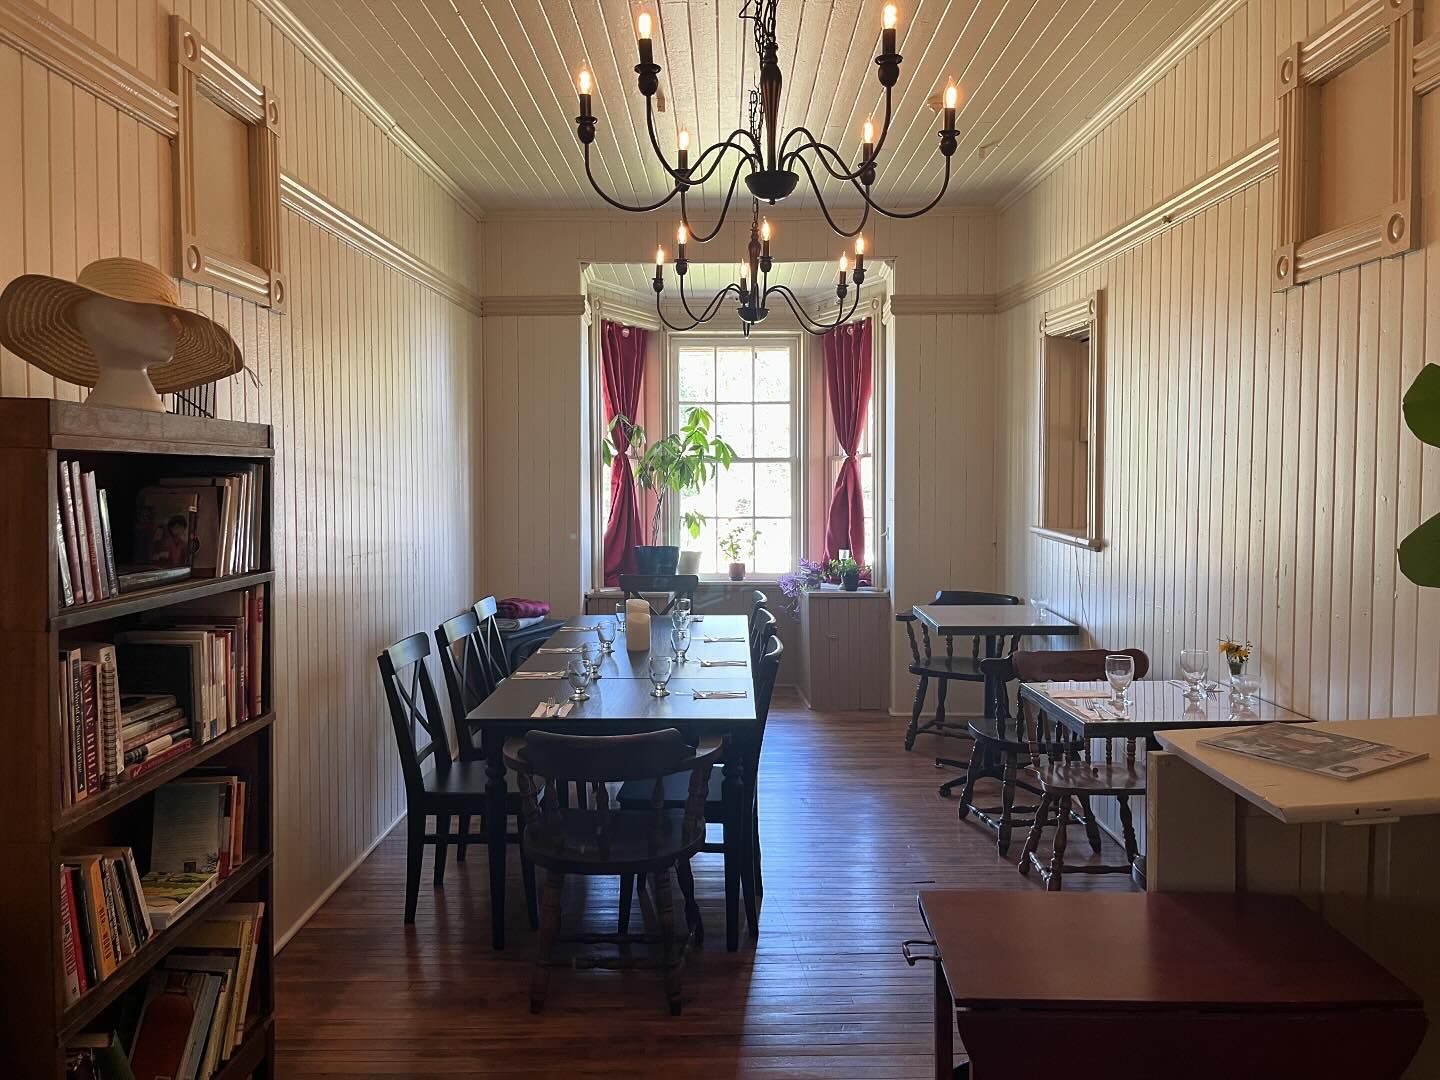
(914, 958)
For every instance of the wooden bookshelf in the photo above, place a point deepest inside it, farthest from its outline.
(126, 449)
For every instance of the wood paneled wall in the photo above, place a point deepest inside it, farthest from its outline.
(535, 423)
(1258, 473)
(371, 382)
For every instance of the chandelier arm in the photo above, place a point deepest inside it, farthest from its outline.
(814, 143)
(810, 324)
(705, 316)
(590, 175)
(705, 238)
(870, 203)
(729, 143)
(825, 209)
(655, 140)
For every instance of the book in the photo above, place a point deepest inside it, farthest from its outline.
(134, 578)
(154, 761)
(226, 966)
(82, 535)
(71, 550)
(135, 708)
(232, 930)
(1314, 750)
(169, 896)
(165, 1023)
(70, 940)
(167, 659)
(173, 723)
(107, 547)
(102, 654)
(165, 526)
(100, 930)
(91, 499)
(97, 1055)
(154, 747)
(90, 724)
(67, 591)
(86, 935)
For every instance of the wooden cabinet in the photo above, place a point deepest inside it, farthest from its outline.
(845, 649)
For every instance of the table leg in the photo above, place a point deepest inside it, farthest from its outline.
(944, 1027)
(495, 823)
(731, 790)
(748, 779)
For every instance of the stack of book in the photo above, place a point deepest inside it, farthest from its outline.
(82, 538)
(108, 910)
(211, 524)
(188, 1018)
(177, 682)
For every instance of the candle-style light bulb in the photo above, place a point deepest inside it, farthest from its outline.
(642, 31)
(659, 257)
(867, 135)
(642, 25)
(765, 231)
(683, 143)
(952, 96)
(681, 235)
(889, 16)
(584, 81)
(859, 248)
(888, 19)
(844, 264)
(684, 139)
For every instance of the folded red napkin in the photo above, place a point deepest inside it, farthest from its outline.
(515, 607)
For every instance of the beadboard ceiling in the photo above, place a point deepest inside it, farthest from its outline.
(813, 281)
(487, 86)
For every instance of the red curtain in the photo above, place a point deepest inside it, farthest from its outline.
(849, 375)
(622, 367)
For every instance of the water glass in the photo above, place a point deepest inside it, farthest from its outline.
(662, 666)
(1245, 689)
(1195, 667)
(680, 639)
(1120, 671)
(591, 655)
(605, 632)
(577, 674)
(620, 618)
(682, 609)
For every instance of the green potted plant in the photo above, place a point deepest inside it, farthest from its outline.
(847, 570)
(732, 544)
(1420, 551)
(681, 464)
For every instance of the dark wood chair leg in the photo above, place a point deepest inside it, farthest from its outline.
(527, 878)
(978, 755)
(665, 908)
(755, 849)
(941, 691)
(1127, 826)
(1007, 804)
(442, 832)
(1032, 838)
(734, 822)
(545, 943)
(464, 835)
(627, 896)
(686, 878)
(1056, 873)
(1092, 826)
(921, 686)
(414, 854)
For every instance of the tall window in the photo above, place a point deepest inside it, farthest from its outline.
(748, 386)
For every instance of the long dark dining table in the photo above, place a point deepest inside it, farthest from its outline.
(621, 704)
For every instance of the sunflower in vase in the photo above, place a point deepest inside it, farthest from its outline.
(1236, 655)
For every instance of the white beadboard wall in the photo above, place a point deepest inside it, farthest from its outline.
(370, 382)
(535, 396)
(1258, 473)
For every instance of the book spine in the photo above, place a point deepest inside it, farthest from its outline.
(69, 933)
(159, 759)
(104, 936)
(92, 526)
(247, 961)
(90, 725)
(67, 593)
(110, 717)
(77, 725)
(84, 927)
(170, 727)
(256, 628)
(118, 941)
(108, 546)
(70, 495)
(137, 891)
(62, 698)
(149, 749)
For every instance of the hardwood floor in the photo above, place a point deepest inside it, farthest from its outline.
(852, 829)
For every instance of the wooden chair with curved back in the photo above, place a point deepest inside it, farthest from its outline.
(676, 586)
(925, 665)
(490, 642)
(1068, 772)
(606, 841)
(763, 628)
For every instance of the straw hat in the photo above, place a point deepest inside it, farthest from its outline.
(37, 323)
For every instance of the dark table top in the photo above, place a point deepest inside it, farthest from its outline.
(980, 620)
(1150, 951)
(1157, 705)
(620, 705)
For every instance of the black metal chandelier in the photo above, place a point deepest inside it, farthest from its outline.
(753, 289)
(768, 159)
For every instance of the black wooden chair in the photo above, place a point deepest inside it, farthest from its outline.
(469, 678)
(1069, 771)
(634, 795)
(435, 783)
(677, 586)
(925, 665)
(763, 627)
(490, 642)
(651, 840)
(758, 600)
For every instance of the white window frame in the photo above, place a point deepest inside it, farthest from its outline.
(799, 436)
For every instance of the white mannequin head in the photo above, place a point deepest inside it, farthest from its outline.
(127, 339)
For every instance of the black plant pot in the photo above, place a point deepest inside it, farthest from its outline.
(850, 581)
(656, 558)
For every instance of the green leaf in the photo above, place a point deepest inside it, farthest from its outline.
(607, 452)
(1420, 554)
(1422, 405)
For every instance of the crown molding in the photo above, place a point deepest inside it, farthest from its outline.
(36, 33)
(943, 304)
(565, 304)
(1234, 176)
(1204, 24)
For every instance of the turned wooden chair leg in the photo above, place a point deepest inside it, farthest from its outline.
(1057, 857)
(1032, 838)
(442, 833)
(1007, 805)
(464, 835)
(1127, 826)
(978, 761)
(665, 908)
(414, 855)
(941, 691)
(627, 895)
(1092, 826)
(921, 686)
(692, 910)
(527, 878)
(545, 943)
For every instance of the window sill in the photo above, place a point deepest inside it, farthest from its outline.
(1094, 543)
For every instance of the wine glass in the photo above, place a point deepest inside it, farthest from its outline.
(1195, 667)
(577, 674)
(605, 632)
(620, 618)
(662, 666)
(1245, 689)
(1120, 671)
(591, 655)
(682, 610)
(680, 639)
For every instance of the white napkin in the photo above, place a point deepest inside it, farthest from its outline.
(1076, 694)
(561, 649)
(722, 663)
(537, 675)
(701, 695)
(575, 629)
(547, 709)
(712, 640)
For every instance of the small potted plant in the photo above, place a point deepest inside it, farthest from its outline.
(733, 544)
(847, 570)
(1236, 655)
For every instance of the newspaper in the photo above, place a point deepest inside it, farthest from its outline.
(1315, 750)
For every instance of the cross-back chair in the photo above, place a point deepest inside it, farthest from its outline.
(1067, 770)
(606, 839)
(763, 628)
(435, 783)
(490, 642)
(643, 586)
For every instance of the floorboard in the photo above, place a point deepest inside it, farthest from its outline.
(852, 828)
